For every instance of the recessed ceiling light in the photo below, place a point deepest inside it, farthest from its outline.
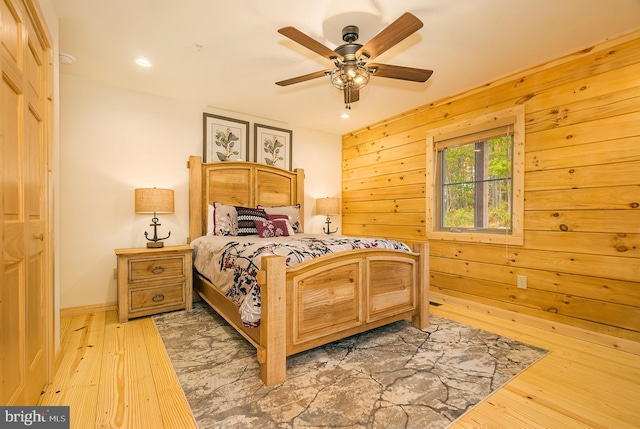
(143, 62)
(344, 115)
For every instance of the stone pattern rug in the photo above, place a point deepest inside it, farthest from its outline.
(396, 376)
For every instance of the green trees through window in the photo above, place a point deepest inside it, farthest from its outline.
(476, 184)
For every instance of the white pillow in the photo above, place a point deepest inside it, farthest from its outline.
(210, 219)
(222, 219)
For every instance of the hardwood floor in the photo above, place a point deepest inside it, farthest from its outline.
(119, 376)
(577, 385)
(115, 375)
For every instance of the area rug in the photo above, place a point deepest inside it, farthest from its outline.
(396, 376)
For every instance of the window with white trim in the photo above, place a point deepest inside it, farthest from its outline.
(476, 179)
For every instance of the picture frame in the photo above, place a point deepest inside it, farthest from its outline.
(224, 139)
(273, 146)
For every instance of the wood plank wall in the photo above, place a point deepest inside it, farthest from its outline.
(581, 251)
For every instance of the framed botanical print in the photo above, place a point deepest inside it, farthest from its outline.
(224, 139)
(272, 146)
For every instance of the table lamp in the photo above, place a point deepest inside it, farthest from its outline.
(328, 207)
(154, 200)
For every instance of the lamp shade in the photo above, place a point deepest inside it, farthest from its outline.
(154, 200)
(328, 206)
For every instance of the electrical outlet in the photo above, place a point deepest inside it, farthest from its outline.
(522, 282)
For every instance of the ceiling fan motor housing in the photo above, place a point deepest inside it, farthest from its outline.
(349, 49)
(350, 33)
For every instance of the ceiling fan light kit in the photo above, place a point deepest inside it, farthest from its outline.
(351, 72)
(350, 76)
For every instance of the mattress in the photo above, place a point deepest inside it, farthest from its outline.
(230, 263)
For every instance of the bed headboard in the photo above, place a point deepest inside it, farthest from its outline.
(239, 184)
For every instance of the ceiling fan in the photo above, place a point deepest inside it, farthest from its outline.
(351, 72)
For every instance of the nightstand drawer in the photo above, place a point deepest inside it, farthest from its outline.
(156, 297)
(153, 280)
(155, 268)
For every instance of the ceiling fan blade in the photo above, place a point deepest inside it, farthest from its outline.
(351, 95)
(400, 72)
(396, 32)
(303, 78)
(309, 43)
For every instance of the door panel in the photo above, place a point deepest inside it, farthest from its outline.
(12, 331)
(26, 288)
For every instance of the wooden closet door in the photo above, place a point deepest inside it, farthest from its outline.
(26, 286)
(35, 206)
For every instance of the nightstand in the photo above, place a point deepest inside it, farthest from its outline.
(152, 281)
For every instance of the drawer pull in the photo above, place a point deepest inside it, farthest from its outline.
(158, 269)
(158, 297)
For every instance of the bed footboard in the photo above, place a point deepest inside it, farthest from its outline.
(334, 297)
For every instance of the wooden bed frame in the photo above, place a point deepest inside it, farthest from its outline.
(316, 302)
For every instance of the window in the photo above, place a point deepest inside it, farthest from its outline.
(476, 179)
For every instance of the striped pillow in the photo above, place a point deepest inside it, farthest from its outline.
(246, 218)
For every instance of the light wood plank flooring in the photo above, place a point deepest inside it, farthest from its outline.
(115, 375)
(119, 376)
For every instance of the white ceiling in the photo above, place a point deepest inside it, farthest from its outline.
(228, 54)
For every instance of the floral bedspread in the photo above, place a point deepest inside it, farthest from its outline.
(231, 263)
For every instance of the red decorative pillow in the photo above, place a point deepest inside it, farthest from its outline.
(285, 217)
(278, 216)
(272, 228)
(292, 211)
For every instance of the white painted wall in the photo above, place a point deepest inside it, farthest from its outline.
(113, 141)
